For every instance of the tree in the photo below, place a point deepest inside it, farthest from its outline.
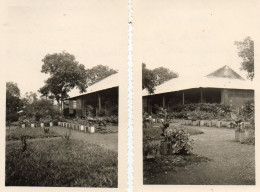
(246, 52)
(13, 102)
(163, 74)
(39, 108)
(65, 74)
(148, 79)
(98, 73)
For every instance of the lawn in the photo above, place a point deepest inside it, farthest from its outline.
(60, 162)
(219, 160)
(30, 133)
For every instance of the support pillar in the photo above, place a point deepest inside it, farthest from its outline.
(99, 102)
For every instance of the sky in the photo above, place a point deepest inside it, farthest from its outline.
(192, 37)
(95, 32)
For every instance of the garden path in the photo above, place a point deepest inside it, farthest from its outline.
(231, 163)
(107, 141)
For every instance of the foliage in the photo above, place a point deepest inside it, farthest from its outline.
(98, 73)
(62, 164)
(179, 139)
(163, 74)
(150, 148)
(246, 52)
(40, 109)
(13, 102)
(155, 77)
(248, 112)
(89, 110)
(148, 79)
(197, 111)
(65, 74)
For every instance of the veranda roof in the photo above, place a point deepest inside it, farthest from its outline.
(183, 83)
(107, 83)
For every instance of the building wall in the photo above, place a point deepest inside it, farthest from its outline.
(236, 98)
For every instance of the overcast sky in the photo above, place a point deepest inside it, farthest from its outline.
(192, 36)
(94, 31)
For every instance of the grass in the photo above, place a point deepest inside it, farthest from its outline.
(30, 133)
(164, 164)
(60, 163)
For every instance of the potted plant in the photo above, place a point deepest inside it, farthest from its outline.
(32, 122)
(150, 149)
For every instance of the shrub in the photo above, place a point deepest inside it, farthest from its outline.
(179, 139)
(150, 148)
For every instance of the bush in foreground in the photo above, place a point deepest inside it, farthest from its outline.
(60, 163)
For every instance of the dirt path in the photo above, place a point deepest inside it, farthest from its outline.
(108, 141)
(231, 163)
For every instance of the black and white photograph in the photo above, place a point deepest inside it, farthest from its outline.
(63, 71)
(198, 93)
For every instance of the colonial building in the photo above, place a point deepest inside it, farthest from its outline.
(100, 98)
(223, 86)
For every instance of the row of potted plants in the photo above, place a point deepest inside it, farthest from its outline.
(87, 120)
(81, 127)
(31, 122)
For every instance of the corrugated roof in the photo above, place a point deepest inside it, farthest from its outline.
(178, 84)
(107, 83)
(226, 72)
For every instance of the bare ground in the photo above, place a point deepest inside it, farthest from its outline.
(232, 163)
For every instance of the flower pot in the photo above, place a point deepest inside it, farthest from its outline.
(209, 123)
(81, 127)
(42, 124)
(237, 135)
(195, 123)
(165, 148)
(242, 136)
(32, 125)
(249, 133)
(202, 123)
(92, 129)
(218, 124)
(51, 124)
(23, 125)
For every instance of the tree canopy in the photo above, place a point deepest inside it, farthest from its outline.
(98, 73)
(13, 102)
(38, 108)
(163, 74)
(155, 77)
(65, 74)
(148, 79)
(246, 52)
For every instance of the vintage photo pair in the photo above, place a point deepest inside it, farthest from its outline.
(67, 116)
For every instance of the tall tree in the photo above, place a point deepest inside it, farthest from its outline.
(246, 52)
(163, 74)
(13, 102)
(65, 74)
(148, 79)
(98, 73)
